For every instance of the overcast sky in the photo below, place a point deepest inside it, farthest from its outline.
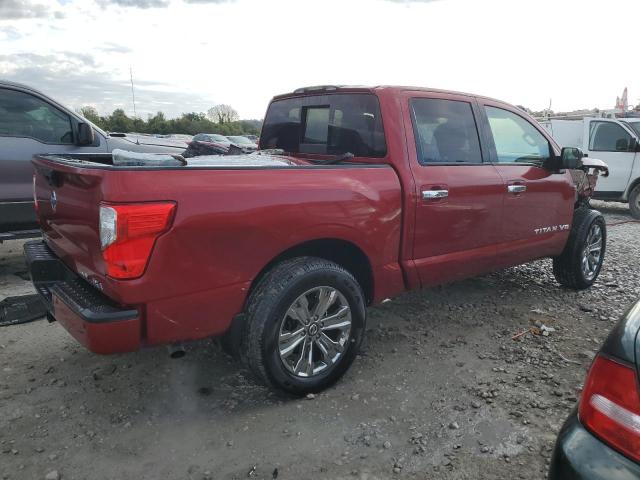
(188, 55)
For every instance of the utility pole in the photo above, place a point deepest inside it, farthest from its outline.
(133, 95)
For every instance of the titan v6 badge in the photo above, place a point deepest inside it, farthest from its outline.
(551, 229)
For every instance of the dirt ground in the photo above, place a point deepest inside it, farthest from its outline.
(440, 390)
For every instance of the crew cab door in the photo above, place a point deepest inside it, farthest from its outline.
(459, 195)
(538, 203)
(29, 125)
(612, 143)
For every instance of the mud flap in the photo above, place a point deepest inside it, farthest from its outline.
(21, 309)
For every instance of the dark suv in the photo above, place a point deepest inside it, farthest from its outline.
(32, 123)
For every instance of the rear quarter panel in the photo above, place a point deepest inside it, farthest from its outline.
(229, 224)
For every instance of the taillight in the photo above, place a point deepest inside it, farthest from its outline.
(610, 406)
(128, 233)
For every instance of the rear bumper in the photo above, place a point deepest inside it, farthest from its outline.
(579, 455)
(89, 316)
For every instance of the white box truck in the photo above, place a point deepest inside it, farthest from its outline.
(617, 143)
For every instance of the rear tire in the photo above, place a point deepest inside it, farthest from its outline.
(634, 202)
(290, 341)
(579, 264)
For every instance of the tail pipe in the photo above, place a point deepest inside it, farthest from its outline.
(176, 350)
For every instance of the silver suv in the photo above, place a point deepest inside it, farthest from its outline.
(32, 123)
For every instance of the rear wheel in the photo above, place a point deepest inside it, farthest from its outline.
(304, 324)
(579, 264)
(634, 202)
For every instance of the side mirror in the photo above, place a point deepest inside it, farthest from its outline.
(86, 135)
(571, 158)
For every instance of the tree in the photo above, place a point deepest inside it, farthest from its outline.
(90, 113)
(222, 114)
(119, 122)
(188, 123)
(156, 124)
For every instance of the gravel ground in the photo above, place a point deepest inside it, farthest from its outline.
(440, 390)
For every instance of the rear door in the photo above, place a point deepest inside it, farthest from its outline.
(538, 204)
(460, 194)
(611, 142)
(29, 125)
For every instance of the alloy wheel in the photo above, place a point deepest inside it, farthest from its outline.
(592, 252)
(314, 332)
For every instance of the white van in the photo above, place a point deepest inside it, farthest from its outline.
(617, 143)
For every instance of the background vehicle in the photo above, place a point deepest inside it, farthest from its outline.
(32, 123)
(243, 142)
(253, 138)
(614, 141)
(207, 144)
(601, 440)
(282, 254)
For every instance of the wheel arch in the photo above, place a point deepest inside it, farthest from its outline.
(343, 252)
(633, 185)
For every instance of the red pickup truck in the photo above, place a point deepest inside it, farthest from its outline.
(356, 195)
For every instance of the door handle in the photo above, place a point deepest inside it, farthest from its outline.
(516, 188)
(433, 194)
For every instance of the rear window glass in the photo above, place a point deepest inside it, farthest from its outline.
(326, 124)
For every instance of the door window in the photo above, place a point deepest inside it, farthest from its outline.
(445, 131)
(516, 140)
(608, 137)
(23, 115)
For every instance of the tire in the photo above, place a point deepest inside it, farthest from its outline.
(634, 202)
(568, 267)
(273, 313)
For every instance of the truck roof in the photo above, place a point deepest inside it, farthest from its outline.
(373, 89)
(7, 83)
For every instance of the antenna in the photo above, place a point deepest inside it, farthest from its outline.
(133, 95)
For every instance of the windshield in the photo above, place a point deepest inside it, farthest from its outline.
(635, 126)
(331, 124)
(242, 140)
(218, 138)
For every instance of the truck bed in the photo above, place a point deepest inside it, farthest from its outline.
(233, 216)
(254, 160)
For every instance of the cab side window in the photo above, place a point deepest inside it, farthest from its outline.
(445, 131)
(608, 137)
(23, 115)
(516, 140)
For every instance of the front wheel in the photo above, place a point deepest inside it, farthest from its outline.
(580, 262)
(304, 324)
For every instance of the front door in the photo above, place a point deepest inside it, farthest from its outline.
(460, 194)
(612, 143)
(28, 126)
(538, 204)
